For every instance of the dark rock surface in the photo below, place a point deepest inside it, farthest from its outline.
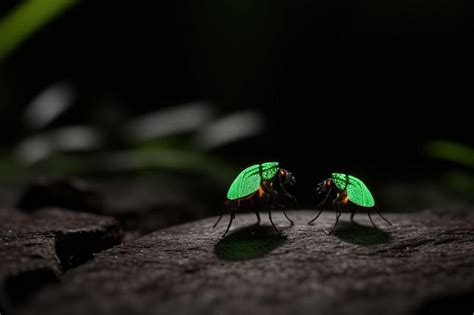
(35, 250)
(424, 264)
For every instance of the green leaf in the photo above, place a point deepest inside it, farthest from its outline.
(451, 151)
(27, 18)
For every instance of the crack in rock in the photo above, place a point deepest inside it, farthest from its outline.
(37, 249)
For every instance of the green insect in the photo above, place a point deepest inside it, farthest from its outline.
(258, 185)
(346, 188)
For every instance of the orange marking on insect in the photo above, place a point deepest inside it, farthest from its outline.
(346, 200)
(261, 192)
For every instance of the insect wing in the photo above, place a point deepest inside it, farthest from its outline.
(248, 181)
(357, 191)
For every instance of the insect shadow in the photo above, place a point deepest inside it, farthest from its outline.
(248, 243)
(357, 234)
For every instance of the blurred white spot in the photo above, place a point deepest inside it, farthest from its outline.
(74, 138)
(77, 138)
(231, 128)
(34, 149)
(49, 104)
(169, 121)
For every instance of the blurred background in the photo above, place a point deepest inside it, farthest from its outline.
(156, 107)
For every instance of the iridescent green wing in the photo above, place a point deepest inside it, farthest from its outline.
(248, 181)
(357, 192)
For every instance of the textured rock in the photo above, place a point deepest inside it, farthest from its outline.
(36, 249)
(424, 264)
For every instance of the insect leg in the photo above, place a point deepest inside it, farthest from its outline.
(316, 217)
(286, 216)
(273, 195)
(258, 216)
(273, 201)
(288, 195)
(352, 215)
(279, 205)
(218, 220)
(378, 212)
(232, 216)
(338, 205)
(368, 212)
(284, 212)
(255, 209)
(320, 207)
(271, 221)
(226, 206)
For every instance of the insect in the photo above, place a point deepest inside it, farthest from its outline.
(348, 189)
(257, 185)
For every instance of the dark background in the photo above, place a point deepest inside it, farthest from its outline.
(352, 86)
